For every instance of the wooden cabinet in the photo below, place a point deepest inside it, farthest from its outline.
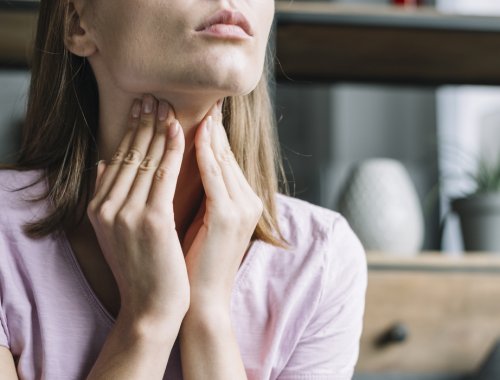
(448, 307)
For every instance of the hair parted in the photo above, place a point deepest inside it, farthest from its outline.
(61, 123)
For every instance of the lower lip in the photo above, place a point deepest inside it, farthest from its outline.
(225, 31)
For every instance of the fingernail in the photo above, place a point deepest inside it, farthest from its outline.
(136, 109)
(162, 111)
(173, 129)
(147, 104)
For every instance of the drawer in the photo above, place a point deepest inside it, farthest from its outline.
(446, 310)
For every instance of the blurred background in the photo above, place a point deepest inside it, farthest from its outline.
(436, 131)
(388, 112)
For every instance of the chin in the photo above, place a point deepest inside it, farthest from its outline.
(238, 88)
(236, 81)
(233, 73)
(228, 77)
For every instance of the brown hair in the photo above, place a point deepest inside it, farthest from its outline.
(62, 119)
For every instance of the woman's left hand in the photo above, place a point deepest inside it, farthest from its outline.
(219, 237)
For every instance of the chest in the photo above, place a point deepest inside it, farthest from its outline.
(96, 271)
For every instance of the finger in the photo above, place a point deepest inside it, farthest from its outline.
(243, 185)
(145, 174)
(238, 172)
(210, 171)
(225, 158)
(101, 166)
(136, 154)
(165, 177)
(114, 164)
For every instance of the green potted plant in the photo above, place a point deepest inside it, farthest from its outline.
(479, 211)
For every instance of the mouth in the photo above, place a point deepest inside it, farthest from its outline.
(227, 23)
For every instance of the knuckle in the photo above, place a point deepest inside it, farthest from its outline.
(134, 157)
(92, 206)
(162, 173)
(226, 156)
(146, 121)
(105, 212)
(148, 164)
(126, 219)
(150, 221)
(92, 209)
(214, 170)
(117, 157)
(174, 147)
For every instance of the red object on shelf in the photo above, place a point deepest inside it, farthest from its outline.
(407, 2)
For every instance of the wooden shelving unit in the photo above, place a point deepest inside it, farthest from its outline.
(329, 42)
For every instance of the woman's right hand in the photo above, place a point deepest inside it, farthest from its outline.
(133, 218)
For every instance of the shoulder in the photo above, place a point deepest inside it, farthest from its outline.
(16, 183)
(329, 287)
(18, 189)
(303, 219)
(321, 241)
(303, 222)
(332, 258)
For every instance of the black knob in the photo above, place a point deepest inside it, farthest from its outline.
(397, 333)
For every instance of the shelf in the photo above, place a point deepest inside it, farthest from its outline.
(17, 30)
(329, 42)
(19, 5)
(479, 262)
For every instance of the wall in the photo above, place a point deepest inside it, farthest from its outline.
(13, 90)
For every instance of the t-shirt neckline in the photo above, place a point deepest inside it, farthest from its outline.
(96, 302)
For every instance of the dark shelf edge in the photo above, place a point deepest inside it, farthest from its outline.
(19, 5)
(306, 80)
(285, 14)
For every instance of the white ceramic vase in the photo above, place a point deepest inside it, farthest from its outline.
(382, 206)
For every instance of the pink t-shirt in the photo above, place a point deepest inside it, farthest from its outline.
(297, 314)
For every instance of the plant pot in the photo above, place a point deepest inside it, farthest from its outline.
(480, 221)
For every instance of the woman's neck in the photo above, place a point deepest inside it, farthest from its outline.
(190, 111)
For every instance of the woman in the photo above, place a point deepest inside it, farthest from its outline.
(176, 257)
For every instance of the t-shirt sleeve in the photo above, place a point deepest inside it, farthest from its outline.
(4, 340)
(329, 346)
